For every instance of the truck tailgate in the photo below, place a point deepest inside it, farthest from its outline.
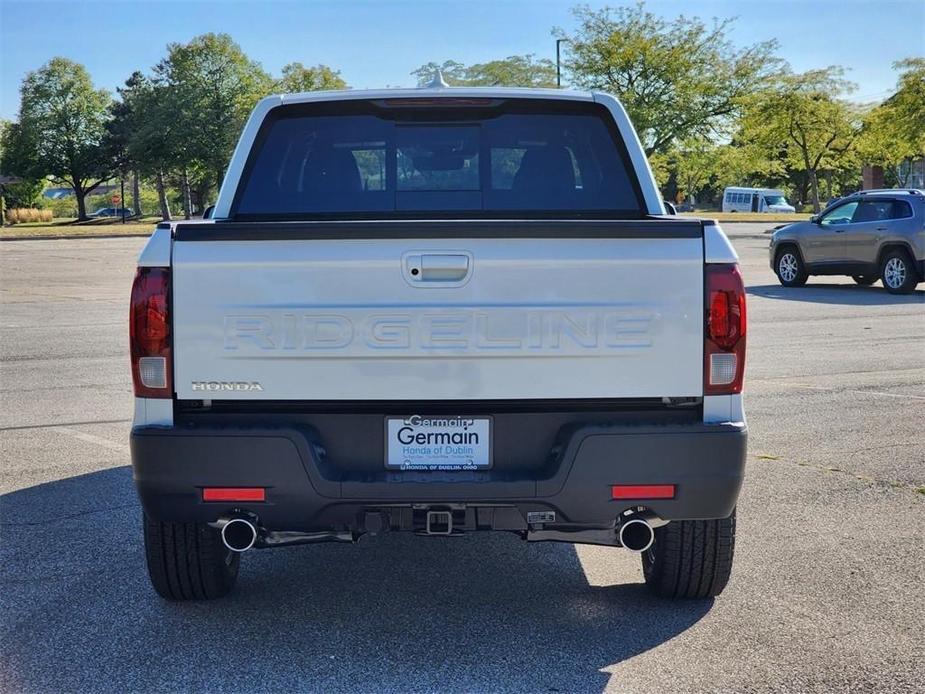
(438, 311)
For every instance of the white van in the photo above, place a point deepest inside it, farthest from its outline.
(755, 200)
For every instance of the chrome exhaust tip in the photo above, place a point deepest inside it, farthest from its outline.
(239, 534)
(636, 535)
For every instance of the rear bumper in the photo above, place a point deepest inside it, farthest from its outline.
(171, 466)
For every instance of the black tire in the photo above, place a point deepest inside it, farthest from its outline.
(897, 272)
(690, 559)
(187, 561)
(865, 280)
(789, 267)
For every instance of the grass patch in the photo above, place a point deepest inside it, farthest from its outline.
(69, 228)
(778, 217)
(920, 490)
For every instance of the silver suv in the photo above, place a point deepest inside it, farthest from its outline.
(871, 235)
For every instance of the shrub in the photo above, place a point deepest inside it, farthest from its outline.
(63, 207)
(150, 205)
(95, 202)
(23, 215)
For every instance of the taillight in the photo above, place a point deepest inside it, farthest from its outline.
(149, 333)
(724, 332)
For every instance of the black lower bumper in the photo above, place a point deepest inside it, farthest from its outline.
(304, 493)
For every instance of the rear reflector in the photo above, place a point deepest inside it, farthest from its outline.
(234, 494)
(642, 491)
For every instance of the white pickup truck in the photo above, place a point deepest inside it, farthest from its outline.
(438, 311)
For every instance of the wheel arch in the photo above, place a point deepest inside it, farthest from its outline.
(894, 246)
(784, 245)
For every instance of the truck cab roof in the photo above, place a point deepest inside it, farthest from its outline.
(431, 92)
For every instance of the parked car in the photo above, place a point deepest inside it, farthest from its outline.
(438, 311)
(870, 235)
(755, 200)
(111, 212)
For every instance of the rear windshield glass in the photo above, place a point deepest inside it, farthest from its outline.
(392, 161)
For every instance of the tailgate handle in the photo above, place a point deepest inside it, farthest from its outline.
(437, 267)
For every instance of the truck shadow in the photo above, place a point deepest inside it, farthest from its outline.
(845, 294)
(391, 613)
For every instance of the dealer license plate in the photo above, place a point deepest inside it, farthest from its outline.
(439, 442)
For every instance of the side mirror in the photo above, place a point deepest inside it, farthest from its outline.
(209, 211)
(816, 219)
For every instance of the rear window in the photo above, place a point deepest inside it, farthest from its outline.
(873, 211)
(901, 210)
(529, 157)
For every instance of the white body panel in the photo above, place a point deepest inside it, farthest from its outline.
(156, 252)
(533, 318)
(716, 245)
(153, 412)
(719, 409)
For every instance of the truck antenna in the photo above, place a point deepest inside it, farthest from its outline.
(438, 82)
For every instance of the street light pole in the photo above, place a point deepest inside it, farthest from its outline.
(559, 63)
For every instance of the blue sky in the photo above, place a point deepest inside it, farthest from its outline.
(378, 43)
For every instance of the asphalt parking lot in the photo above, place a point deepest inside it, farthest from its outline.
(827, 591)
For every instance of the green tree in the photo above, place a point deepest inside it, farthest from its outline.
(513, 71)
(882, 143)
(694, 162)
(123, 127)
(660, 163)
(158, 145)
(298, 78)
(741, 164)
(677, 79)
(893, 135)
(146, 134)
(62, 128)
(17, 191)
(909, 101)
(803, 116)
(454, 73)
(210, 88)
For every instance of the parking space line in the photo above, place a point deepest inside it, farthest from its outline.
(862, 392)
(783, 382)
(97, 440)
